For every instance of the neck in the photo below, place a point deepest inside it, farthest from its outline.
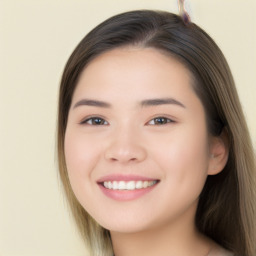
(176, 239)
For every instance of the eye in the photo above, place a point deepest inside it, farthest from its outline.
(95, 121)
(160, 121)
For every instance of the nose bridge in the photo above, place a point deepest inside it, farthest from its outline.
(125, 145)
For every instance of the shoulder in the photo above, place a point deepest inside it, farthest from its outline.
(219, 251)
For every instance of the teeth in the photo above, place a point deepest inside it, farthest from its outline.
(145, 184)
(115, 185)
(139, 184)
(129, 185)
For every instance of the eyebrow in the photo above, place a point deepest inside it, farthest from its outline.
(93, 103)
(144, 103)
(164, 101)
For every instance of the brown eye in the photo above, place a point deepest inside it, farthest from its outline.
(95, 121)
(160, 121)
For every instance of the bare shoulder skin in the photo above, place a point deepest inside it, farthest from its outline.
(219, 251)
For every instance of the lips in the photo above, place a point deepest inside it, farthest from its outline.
(126, 187)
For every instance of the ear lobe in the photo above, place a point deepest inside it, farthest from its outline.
(219, 151)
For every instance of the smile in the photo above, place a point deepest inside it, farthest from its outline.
(128, 185)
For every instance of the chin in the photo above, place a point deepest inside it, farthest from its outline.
(125, 225)
(130, 225)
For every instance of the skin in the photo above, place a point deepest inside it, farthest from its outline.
(180, 154)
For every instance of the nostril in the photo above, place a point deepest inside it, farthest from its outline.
(113, 159)
(133, 159)
(125, 153)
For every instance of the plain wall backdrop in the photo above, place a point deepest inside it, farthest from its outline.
(36, 39)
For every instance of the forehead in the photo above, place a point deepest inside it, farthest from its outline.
(129, 69)
(146, 59)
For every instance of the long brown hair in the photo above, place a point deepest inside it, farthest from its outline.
(226, 209)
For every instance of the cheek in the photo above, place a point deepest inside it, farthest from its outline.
(184, 159)
(81, 156)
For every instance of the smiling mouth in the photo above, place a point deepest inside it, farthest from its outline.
(128, 185)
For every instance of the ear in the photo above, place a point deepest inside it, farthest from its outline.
(219, 151)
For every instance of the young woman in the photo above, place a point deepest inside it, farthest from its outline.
(154, 152)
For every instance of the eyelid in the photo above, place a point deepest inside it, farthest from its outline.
(86, 119)
(168, 119)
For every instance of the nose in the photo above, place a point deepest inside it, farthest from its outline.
(125, 147)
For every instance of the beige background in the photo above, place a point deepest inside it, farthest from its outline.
(36, 38)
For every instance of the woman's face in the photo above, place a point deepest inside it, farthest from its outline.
(136, 145)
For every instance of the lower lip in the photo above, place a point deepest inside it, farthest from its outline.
(126, 195)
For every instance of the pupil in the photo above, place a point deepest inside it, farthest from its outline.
(97, 121)
(160, 120)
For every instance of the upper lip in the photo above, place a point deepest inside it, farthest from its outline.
(122, 177)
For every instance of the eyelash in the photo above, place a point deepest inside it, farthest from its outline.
(90, 121)
(97, 121)
(163, 120)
